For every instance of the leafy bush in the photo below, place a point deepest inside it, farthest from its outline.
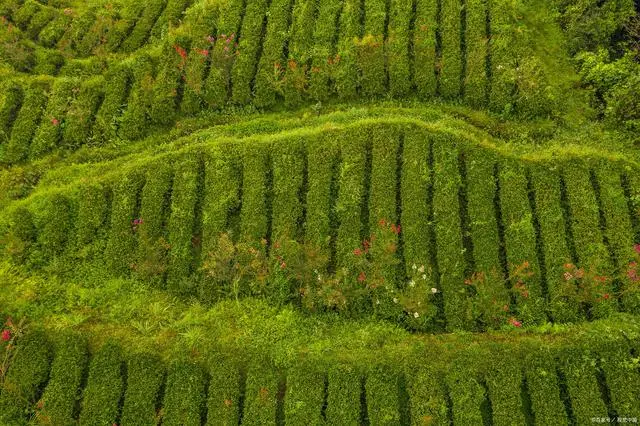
(184, 401)
(145, 376)
(25, 377)
(102, 394)
(58, 403)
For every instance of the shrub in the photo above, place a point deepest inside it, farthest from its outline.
(261, 396)
(579, 369)
(145, 376)
(79, 27)
(101, 397)
(424, 47)
(222, 195)
(271, 61)
(218, 82)
(548, 201)
(350, 196)
(305, 396)
(543, 386)
(54, 30)
(140, 32)
(476, 81)
(288, 169)
(11, 101)
(194, 77)
(134, 121)
(253, 217)
(182, 224)
(55, 225)
(244, 67)
(371, 49)
(344, 389)
(121, 243)
(346, 76)
(324, 54)
(520, 239)
(322, 164)
(81, 113)
(123, 25)
(300, 45)
(169, 18)
(588, 238)
(116, 91)
(25, 377)
(451, 60)
(21, 237)
(48, 135)
(58, 403)
(184, 401)
(223, 404)
(382, 393)
(25, 13)
(464, 382)
(26, 121)
(155, 210)
(169, 80)
(427, 394)
(397, 48)
(93, 206)
(446, 211)
(504, 383)
(48, 61)
(38, 21)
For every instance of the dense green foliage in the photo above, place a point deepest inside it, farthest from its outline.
(339, 212)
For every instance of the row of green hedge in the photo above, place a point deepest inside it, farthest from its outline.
(496, 382)
(457, 204)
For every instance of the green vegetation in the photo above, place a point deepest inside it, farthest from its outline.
(336, 212)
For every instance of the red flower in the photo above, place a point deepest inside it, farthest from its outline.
(357, 252)
(514, 322)
(55, 121)
(283, 265)
(606, 295)
(395, 228)
(382, 222)
(203, 52)
(637, 248)
(362, 277)
(181, 51)
(6, 335)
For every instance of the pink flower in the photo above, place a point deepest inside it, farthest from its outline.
(6, 335)
(514, 322)
(211, 39)
(637, 248)
(55, 121)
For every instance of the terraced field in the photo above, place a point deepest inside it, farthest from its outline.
(310, 212)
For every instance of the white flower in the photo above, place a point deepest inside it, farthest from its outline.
(416, 315)
(395, 300)
(424, 277)
(319, 278)
(412, 283)
(421, 269)
(434, 290)
(377, 302)
(414, 266)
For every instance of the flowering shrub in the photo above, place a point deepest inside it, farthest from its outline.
(585, 288)
(10, 333)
